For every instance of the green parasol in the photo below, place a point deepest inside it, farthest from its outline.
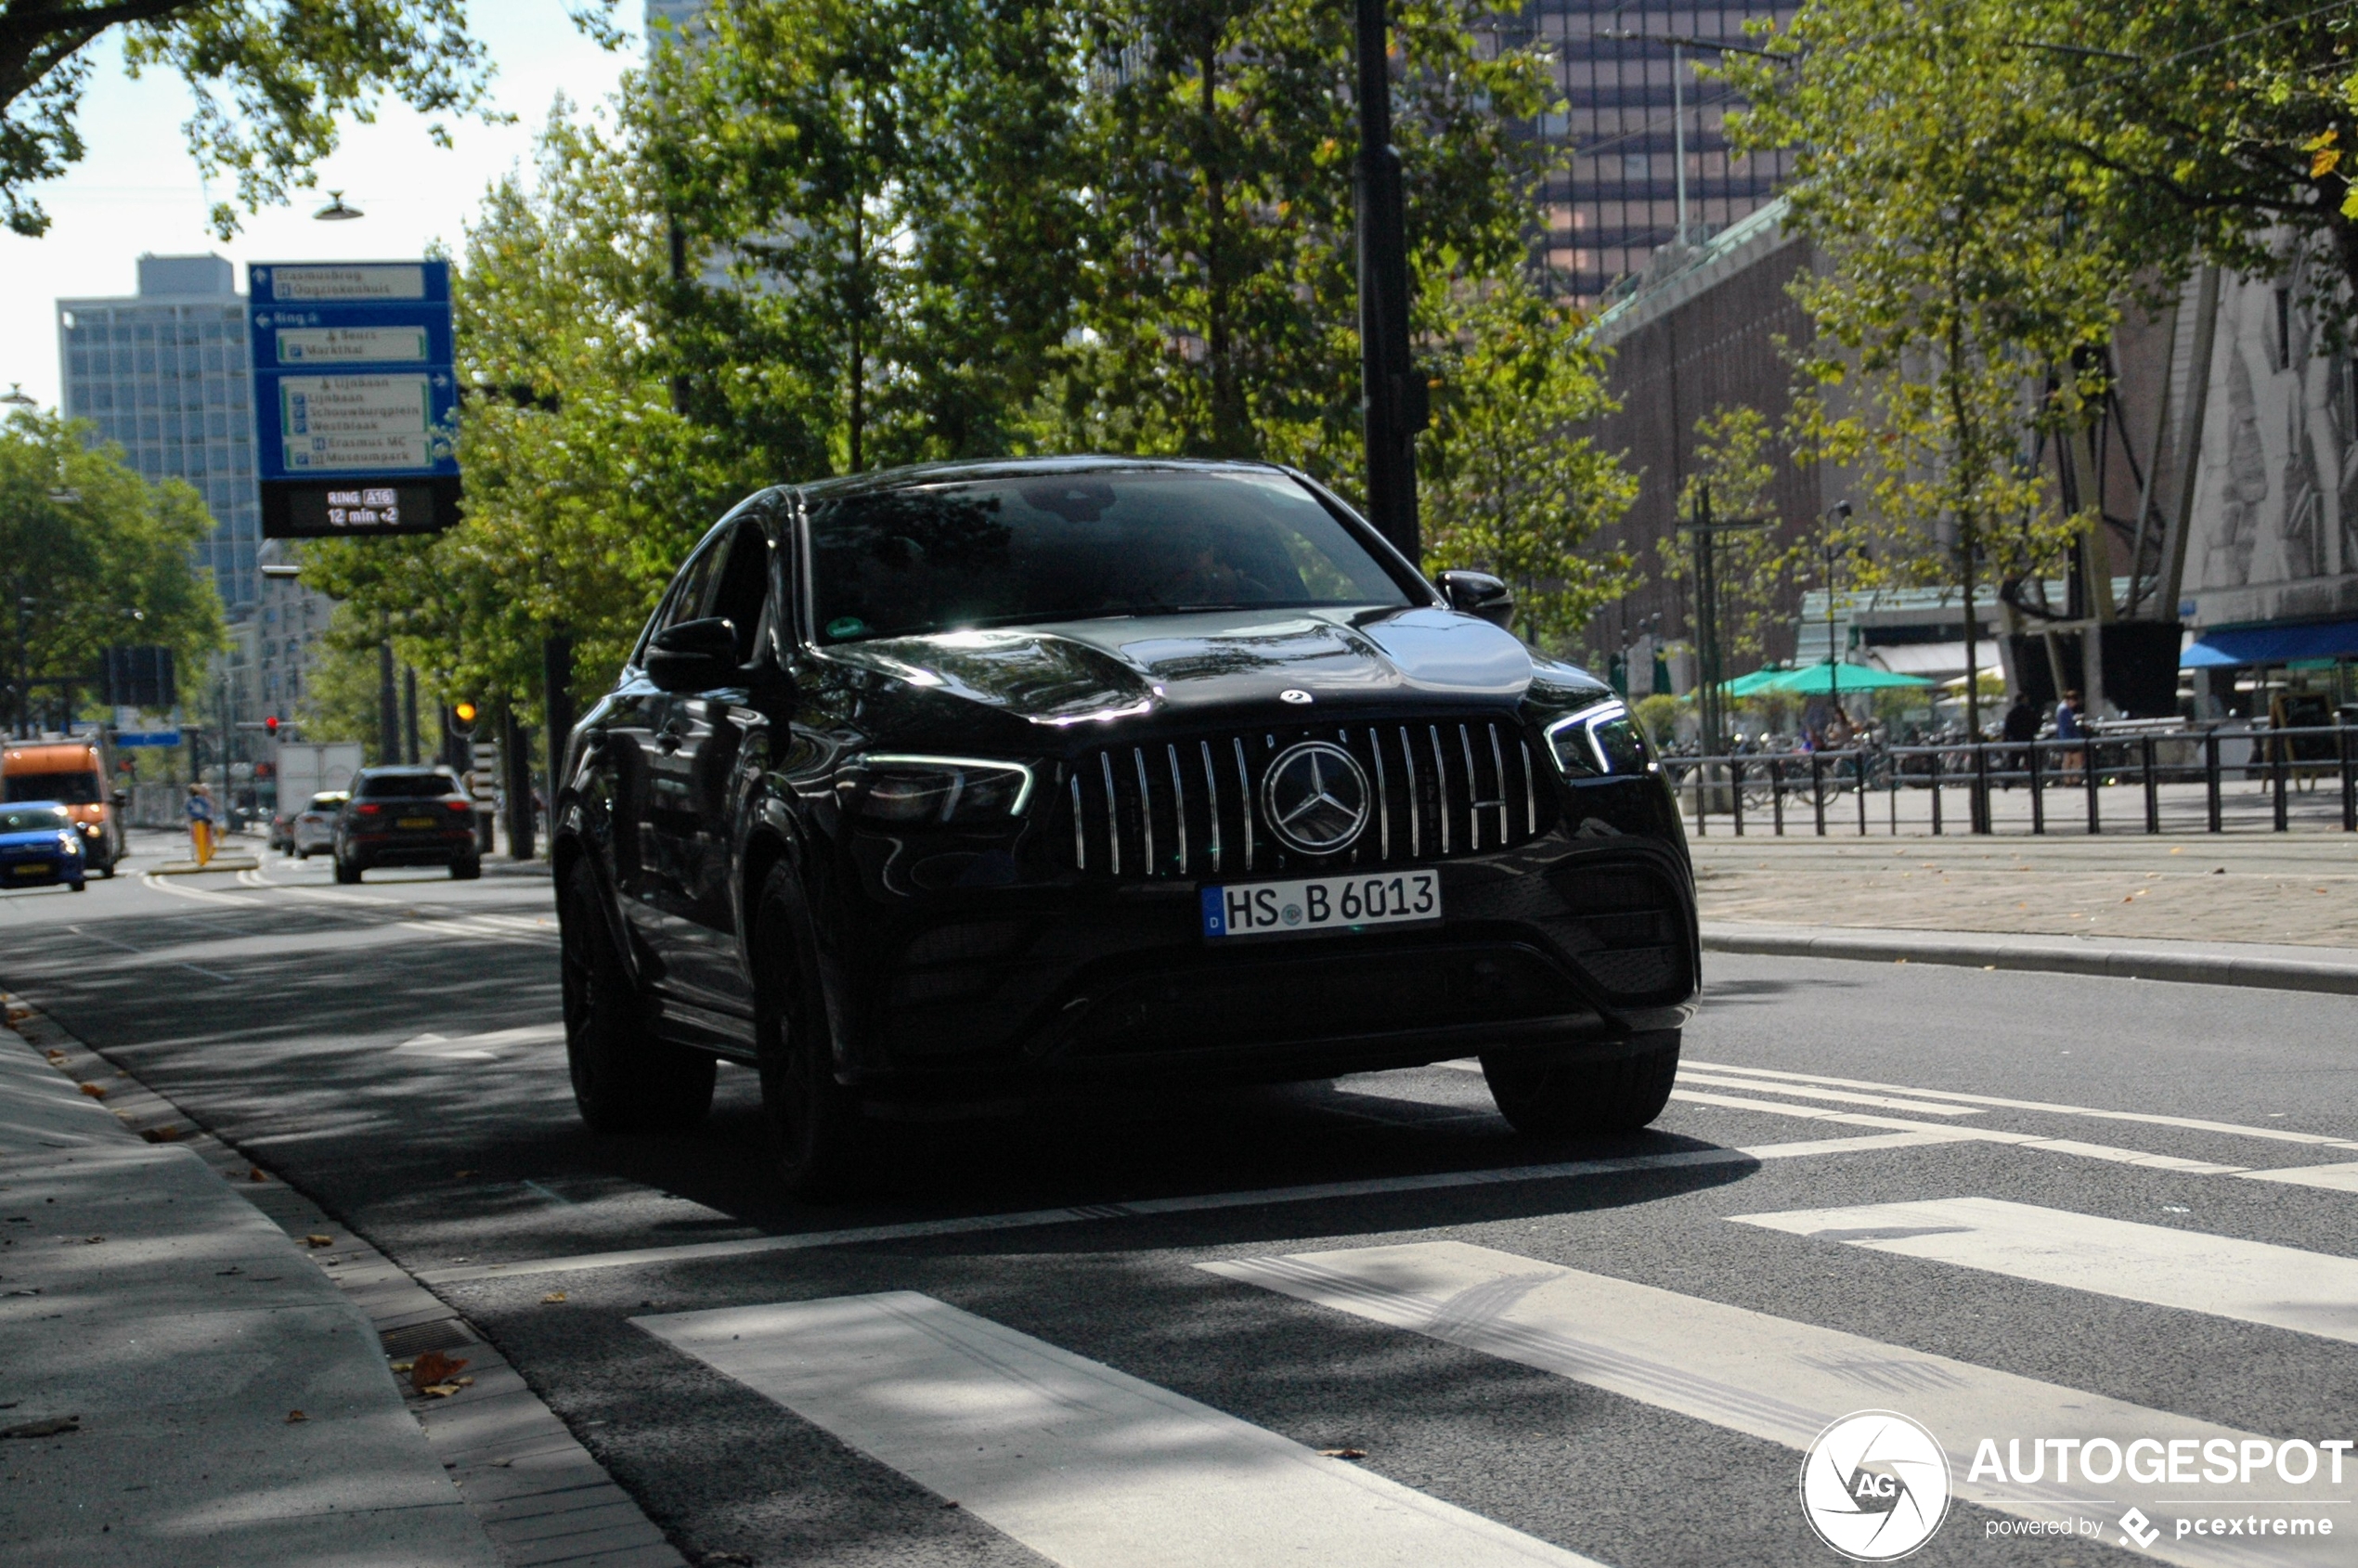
(1822, 678)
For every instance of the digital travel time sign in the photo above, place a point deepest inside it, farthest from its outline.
(355, 397)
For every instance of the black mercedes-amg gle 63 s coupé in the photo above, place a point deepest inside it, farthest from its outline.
(958, 784)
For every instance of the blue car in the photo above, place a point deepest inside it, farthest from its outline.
(39, 847)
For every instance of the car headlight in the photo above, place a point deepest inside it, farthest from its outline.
(890, 787)
(69, 839)
(1598, 742)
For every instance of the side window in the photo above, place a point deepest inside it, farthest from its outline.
(744, 583)
(684, 601)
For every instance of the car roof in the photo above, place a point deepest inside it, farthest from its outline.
(889, 479)
(409, 769)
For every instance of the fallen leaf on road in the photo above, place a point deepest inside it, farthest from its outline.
(254, 1173)
(1344, 1453)
(53, 1056)
(167, 1133)
(295, 1416)
(96, 1091)
(443, 1390)
(434, 1368)
(400, 1367)
(52, 1428)
(554, 1298)
(317, 1241)
(93, 1240)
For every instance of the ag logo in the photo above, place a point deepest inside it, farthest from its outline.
(1875, 1485)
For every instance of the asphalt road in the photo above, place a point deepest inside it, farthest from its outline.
(1629, 1367)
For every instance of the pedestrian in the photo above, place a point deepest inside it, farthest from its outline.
(202, 831)
(2020, 730)
(2067, 727)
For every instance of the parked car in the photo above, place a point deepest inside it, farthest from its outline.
(935, 784)
(406, 816)
(312, 831)
(70, 775)
(40, 845)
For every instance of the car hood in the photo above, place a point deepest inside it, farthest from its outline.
(1075, 672)
(32, 838)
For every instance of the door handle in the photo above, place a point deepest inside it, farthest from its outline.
(668, 739)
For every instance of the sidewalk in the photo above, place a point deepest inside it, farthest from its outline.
(2278, 912)
(158, 1337)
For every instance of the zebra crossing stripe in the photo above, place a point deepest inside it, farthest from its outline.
(1088, 1467)
(1773, 1378)
(2111, 1152)
(2333, 1178)
(2221, 1276)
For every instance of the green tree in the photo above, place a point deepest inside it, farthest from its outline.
(583, 487)
(270, 78)
(878, 215)
(1736, 455)
(92, 555)
(1219, 298)
(1963, 295)
(1511, 487)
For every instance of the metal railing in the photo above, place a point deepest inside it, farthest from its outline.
(2214, 780)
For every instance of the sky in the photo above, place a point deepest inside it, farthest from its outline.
(137, 191)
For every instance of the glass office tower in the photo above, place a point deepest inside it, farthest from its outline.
(164, 374)
(1618, 202)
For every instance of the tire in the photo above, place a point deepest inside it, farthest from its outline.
(467, 870)
(302, 854)
(1553, 1095)
(79, 886)
(624, 1079)
(345, 870)
(817, 1134)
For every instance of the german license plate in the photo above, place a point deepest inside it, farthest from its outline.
(416, 822)
(38, 869)
(1321, 903)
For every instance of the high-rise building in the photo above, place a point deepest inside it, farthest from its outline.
(164, 374)
(1625, 99)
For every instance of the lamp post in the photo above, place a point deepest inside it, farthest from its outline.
(1679, 43)
(1394, 400)
(1831, 551)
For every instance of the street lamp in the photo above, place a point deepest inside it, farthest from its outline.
(17, 399)
(336, 212)
(1831, 551)
(1679, 43)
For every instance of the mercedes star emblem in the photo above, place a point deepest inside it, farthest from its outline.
(1315, 799)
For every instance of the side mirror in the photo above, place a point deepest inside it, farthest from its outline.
(1479, 593)
(694, 656)
(118, 800)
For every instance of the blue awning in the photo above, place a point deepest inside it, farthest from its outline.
(2271, 644)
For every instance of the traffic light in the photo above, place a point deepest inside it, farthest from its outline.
(270, 725)
(458, 734)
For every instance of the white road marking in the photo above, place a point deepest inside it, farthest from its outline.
(2333, 1178)
(689, 1252)
(2221, 1276)
(170, 885)
(1840, 1096)
(2111, 1152)
(1088, 1467)
(1770, 1378)
(483, 1048)
(2194, 1124)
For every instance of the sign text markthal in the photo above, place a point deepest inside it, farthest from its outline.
(356, 402)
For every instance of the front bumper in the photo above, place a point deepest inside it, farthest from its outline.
(40, 871)
(1557, 942)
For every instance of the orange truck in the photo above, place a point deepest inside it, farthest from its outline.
(72, 774)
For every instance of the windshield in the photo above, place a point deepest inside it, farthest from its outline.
(33, 819)
(75, 789)
(407, 786)
(944, 557)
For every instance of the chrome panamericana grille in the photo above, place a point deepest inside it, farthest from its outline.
(1193, 807)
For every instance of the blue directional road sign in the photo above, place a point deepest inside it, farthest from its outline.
(355, 397)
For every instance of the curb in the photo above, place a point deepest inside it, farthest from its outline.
(1998, 953)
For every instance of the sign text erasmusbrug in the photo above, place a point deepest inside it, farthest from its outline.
(355, 397)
